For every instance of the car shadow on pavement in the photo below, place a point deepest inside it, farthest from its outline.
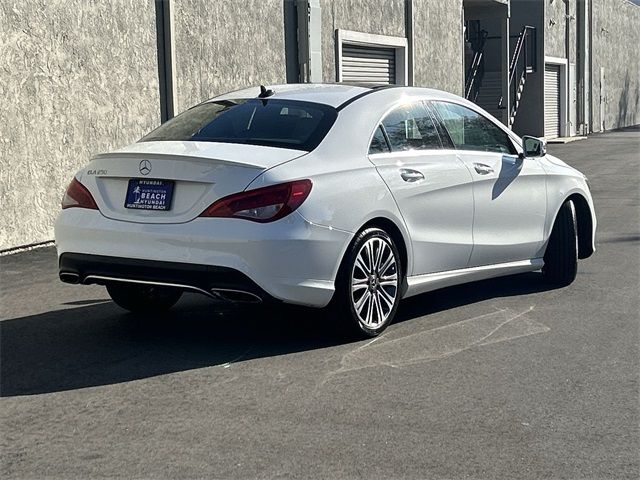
(470, 293)
(100, 344)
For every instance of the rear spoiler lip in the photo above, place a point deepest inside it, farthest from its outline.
(173, 156)
(234, 155)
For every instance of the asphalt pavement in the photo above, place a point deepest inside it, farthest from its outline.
(502, 379)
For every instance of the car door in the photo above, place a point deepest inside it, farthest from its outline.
(509, 191)
(432, 187)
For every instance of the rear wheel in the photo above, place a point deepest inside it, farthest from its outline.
(368, 285)
(141, 298)
(561, 257)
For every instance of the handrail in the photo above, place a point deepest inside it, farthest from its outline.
(472, 73)
(525, 48)
(517, 51)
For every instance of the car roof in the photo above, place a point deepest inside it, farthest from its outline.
(336, 95)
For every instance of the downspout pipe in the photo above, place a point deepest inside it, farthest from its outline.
(567, 48)
(309, 40)
(165, 40)
(408, 28)
(584, 60)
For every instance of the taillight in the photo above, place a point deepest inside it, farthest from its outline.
(265, 204)
(77, 195)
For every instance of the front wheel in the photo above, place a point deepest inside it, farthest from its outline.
(142, 298)
(561, 257)
(368, 285)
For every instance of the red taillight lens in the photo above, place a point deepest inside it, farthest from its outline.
(265, 204)
(77, 195)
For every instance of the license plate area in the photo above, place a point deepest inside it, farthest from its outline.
(149, 194)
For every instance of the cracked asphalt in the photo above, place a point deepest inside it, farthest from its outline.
(502, 379)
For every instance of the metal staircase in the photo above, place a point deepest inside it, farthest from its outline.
(485, 87)
(490, 94)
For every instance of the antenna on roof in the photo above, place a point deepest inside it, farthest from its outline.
(264, 93)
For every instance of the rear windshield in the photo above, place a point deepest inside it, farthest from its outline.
(274, 123)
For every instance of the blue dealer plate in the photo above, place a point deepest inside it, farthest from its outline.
(148, 194)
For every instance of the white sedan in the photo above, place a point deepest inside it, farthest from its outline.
(348, 197)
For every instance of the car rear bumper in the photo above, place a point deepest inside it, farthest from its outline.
(291, 260)
(217, 282)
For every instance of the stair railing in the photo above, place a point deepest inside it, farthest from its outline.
(476, 70)
(523, 62)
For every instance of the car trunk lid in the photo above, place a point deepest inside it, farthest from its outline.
(199, 173)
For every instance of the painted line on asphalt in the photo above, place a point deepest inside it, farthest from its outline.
(442, 342)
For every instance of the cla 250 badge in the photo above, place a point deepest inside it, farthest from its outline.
(96, 172)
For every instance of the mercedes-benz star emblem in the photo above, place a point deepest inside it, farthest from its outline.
(145, 167)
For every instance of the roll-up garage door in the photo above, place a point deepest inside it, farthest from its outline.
(367, 64)
(551, 101)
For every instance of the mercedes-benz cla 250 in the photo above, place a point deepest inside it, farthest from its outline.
(349, 197)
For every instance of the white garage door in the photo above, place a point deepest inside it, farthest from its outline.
(551, 101)
(367, 64)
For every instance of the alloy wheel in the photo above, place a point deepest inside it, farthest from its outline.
(374, 282)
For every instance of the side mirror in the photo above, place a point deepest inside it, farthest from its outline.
(534, 147)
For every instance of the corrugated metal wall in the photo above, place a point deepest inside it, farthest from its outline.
(365, 64)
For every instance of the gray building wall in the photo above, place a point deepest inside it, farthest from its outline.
(78, 78)
(437, 36)
(615, 38)
(438, 45)
(82, 77)
(558, 29)
(360, 16)
(226, 45)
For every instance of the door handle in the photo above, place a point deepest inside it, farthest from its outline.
(409, 175)
(482, 169)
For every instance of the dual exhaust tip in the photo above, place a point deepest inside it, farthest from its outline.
(225, 294)
(68, 277)
(235, 296)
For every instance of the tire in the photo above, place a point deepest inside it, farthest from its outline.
(366, 299)
(561, 257)
(140, 298)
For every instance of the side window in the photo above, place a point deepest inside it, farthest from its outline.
(471, 131)
(410, 127)
(378, 142)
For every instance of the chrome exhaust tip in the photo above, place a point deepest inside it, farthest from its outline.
(68, 277)
(236, 296)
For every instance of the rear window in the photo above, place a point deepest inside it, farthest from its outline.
(274, 123)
